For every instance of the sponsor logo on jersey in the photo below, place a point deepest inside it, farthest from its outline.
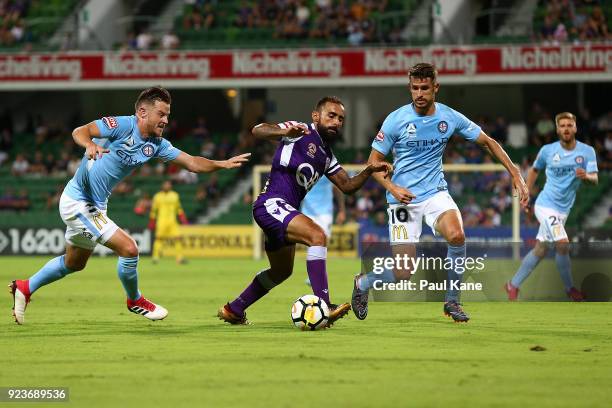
(556, 157)
(579, 159)
(129, 142)
(110, 122)
(312, 150)
(399, 233)
(443, 127)
(306, 176)
(380, 136)
(411, 129)
(147, 150)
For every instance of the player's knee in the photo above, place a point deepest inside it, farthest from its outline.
(540, 250)
(402, 274)
(317, 238)
(562, 247)
(75, 265)
(456, 237)
(129, 251)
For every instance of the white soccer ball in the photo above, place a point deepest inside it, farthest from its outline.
(309, 312)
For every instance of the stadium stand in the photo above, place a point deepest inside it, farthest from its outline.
(244, 24)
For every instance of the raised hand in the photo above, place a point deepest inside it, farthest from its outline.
(295, 131)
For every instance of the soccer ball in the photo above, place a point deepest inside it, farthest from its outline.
(309, 312)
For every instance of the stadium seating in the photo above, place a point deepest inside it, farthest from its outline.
(41, 20)
(121, 207)
(224, 33)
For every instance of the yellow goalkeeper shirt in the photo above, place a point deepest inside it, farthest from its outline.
(166, 206)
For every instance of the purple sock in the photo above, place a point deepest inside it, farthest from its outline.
(316, 258)
(250, 295)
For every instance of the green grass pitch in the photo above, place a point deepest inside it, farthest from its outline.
(78, 334)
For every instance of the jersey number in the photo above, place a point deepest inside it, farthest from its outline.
(401, 214)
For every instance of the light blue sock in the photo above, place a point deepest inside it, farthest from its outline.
(366, 281)
(53, 270)
(564, 267)
(126, 270)
(455, 274)
(529, 263)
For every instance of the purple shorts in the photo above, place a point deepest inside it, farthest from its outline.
(273, 216)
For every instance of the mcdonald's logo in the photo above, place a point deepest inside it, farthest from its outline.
(398, 232)
(99, 219)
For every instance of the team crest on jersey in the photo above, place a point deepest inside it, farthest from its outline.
(556, 157)
(443, 127)
(110, 122)
(147, 150)
(411, 129)
(579, 159)
(312, 150)
(380, 136)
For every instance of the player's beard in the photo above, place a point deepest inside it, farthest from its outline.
(566, 139)
(327, 135)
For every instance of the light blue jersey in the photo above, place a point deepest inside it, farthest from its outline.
(319, 200)
(559, 191)
(95, 179)
(418, 144)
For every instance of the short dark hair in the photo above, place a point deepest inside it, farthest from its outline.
(424, 70)
(326, 99)
(152, 94)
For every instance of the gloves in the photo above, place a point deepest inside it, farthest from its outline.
(183, 219)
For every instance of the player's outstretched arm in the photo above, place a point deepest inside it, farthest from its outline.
(267, 131)
(199, 164)
(500, 154)
(83, 135)
(401, 194)
(532, 176)
(348, 185)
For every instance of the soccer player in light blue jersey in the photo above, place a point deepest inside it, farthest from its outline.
(567, 164)
(319, 205)
(114, 147)
(417, 135)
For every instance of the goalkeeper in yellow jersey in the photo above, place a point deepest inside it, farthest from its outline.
(166, 207)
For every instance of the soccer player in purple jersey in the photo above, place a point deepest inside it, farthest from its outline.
(302, 157)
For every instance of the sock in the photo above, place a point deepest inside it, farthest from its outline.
(366, 282)
(564, 267)
(126, 270)
(261, 285)
(316, 257)
(454, 274)
(178, 248)
(157, 248)
(529, 263)
(53, 270)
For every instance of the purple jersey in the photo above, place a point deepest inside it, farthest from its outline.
(297, 166)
